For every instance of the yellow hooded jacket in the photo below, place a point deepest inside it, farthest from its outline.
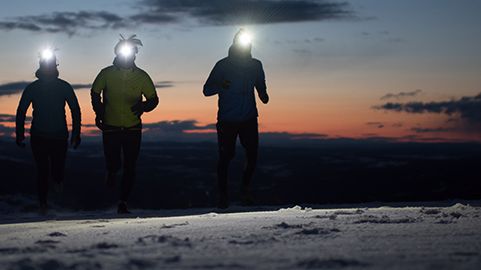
(122, 88)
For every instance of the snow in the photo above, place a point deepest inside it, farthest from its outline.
(437, 236)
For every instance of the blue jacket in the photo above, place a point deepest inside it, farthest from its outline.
(242, 73)
(48, 99)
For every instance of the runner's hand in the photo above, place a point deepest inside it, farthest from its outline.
(138, 109)
(264, 98)
(99, 123)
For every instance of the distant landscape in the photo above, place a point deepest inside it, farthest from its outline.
(182, 174)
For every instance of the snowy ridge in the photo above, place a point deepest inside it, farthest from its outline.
(362, 237)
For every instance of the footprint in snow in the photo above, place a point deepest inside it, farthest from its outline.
(26, 250)
(384, 220)
(316, 263)
(253, 240)
(164, 226)
(444, 221)
(430, 211)
(57, 234)
(137, 263)
(94, 221)
(8, 251)
(28, 263)
(105, 245)
(284, 225)
(344, 212)
(331, 217)
(52, 264)
(465, 254)
(47, 243)
(317, 231)
(167, 239)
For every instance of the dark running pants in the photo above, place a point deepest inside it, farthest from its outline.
(227, 133)
(49, 155)
(121, 149)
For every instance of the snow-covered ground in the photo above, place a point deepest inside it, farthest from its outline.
(442, 237)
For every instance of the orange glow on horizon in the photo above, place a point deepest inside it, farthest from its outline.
(332, 117)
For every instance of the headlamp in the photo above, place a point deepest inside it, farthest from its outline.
(126, 51)
(245, 38)
(47, 55)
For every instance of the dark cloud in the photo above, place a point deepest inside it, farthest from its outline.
(153, 17)
(178, 130)
(432, 130)
(280, 138)
(221, 12)
(10, 118)
(375, 124)
(12, 87)
(192, 131)
(9, 130)
(6, 131)
(81, 85)
(15, 87)
(464, 114)
(87, 125)
(466, 108)
(421, 138)
(373, 137)
(402, 94)
(212, 12)
(177, 126)
(66, 22)
(164, 84)
(18, 24)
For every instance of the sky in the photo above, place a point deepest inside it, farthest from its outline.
(406, 70)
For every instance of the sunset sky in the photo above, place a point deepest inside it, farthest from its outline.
(407, 69)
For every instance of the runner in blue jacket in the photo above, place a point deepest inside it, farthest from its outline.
(233, 79)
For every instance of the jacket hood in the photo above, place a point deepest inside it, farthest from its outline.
(119, 63)
(47, 75)
(237, 52)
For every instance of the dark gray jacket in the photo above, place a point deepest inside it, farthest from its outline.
(48, 99)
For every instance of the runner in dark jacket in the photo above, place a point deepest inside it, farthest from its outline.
(48, 132)
(233, 79)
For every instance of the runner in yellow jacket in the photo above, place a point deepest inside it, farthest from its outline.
(117, 94)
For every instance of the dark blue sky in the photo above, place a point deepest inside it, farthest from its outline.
(325, 63)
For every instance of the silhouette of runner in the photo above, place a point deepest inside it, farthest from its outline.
(48, 130)
(117, 101)
(233, 79)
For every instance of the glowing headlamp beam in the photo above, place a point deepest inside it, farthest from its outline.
(46, 55)
(126, 50)
(245, 39)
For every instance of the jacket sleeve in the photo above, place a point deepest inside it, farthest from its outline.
(74, 106)
(260, 85)
(22, 108)
(95, 94)
(213, 85)
(150, 94)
